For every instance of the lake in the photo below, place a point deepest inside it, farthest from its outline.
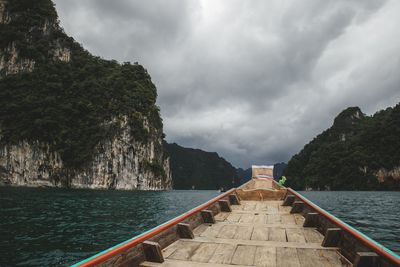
(58, 227)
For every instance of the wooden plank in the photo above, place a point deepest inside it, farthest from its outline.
(287, 257)
(265, 257)
(170, 249)
(243, 232)
(297, 207)
(287, 219)
(204, 252)
(234, 217)
(311, 220)
(333, 257)
(237, 207)
(260, 218)
(257, 211)
(295, 235)
(273, 218)
(261, 206)
(289, 199)
(183, 263)
(153, 252)
(221, 216)
(332, 237)
(208, 216)
(310, 257)
(250, 205)
(223, 254)
(224, 205)
(244, 255)
(277, 234)
(299, 219)
(272, 207)
(247, 218)
(227, 231)
(366, 259)
(184, 251)
(285, 209)
(200, 229)
(313, 236)
(212, 230)
(257, 243)
(270, 225)
(184, 231)
(260, 233)
(234, 200)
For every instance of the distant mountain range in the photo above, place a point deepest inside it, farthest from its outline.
(357, 153)
(198, 169)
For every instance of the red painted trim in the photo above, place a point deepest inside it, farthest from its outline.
(103, 257)
(346, 228)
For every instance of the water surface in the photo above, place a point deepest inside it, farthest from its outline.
(376, 214)
(55, 227)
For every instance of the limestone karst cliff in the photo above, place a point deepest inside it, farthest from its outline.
(70, 119)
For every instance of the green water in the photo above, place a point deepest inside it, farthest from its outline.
(53, 227)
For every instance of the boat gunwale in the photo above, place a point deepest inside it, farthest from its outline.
(123, 246)
(365, 240)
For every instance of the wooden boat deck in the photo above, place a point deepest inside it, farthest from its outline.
(254, 233)
(258, 224)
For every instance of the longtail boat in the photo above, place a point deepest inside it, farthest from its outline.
(261, 223)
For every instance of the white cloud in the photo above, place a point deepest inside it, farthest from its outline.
(252, 80)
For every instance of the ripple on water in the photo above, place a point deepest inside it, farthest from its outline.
(53, 227)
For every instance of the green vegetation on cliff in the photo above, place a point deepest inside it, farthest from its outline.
(200, 169)
(357, 153)
(70, 103)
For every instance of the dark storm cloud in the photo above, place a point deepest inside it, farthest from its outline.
(252, 80)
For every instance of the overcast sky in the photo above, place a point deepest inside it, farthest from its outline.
(252, 80)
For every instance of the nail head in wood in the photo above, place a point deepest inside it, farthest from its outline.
(312, 219)
(332, 237)
(289, 199)
(185, 231)
(152, 251)
(224, 205)
(234, 199)
(366, 259)
(208, 216)
(297, 207)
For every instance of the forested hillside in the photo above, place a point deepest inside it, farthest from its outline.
(57, 98)
(198, 169)
(357, 153)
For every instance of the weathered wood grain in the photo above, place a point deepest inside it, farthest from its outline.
(295, 235)
(184, 250)
(277, 234)
(265, 256)
(287, 257)
(223, 254)
(260, 233)
(244, 255)
(204, 252)
(243, 232)
(227, 231)
(313, 236)
(247, 218)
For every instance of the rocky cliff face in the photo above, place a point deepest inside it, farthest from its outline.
(119, 163)
(93, 131)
